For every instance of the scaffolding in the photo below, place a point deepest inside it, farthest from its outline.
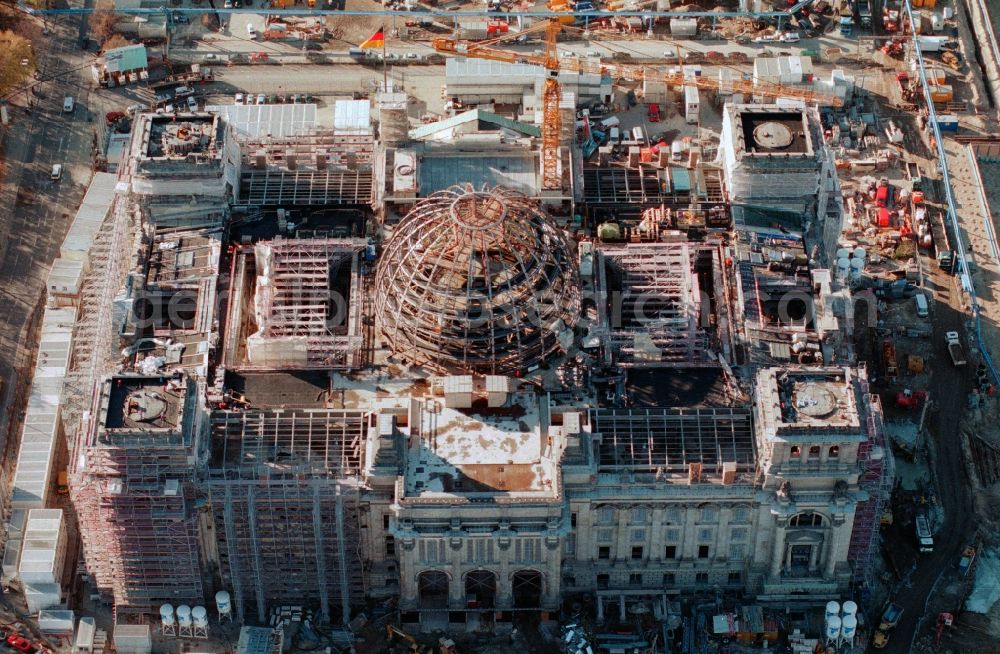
(877, 478)
(304, 298)
(655, 304)
(289, 541)
(134, 499)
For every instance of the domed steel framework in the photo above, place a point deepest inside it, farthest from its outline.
(479, 281)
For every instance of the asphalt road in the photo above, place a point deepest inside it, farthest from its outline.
(38, 210)
(949, 388)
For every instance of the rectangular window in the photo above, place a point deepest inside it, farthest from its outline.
(703, 551)
(709, 514)
(735, 578)
(604, 553)
(701, 578)
(432, 550)
(673, 516)
(741, 514)
(572, 519)
(385, 521)
(637, 553)
(569, 581)
(479, 550)
(639, 515)
(668, 579)
(390, 546)
(603, 580)
(570, 544)
(672, 535)
(528, 550)
(706, 533)
(737, 551)
(605, 515)
(605, 535)
(638, 535)
(635, 579)
(671, 552)
(739, 534)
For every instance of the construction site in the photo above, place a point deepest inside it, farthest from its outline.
(610, 355)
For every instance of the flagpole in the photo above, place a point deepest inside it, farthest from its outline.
(385, 64)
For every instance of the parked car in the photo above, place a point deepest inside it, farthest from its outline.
(134, 108)
(790, 37)
(19, 642)
(68, 104)
(192, 103)
(228, 4)
(211, 57)
(239, 99)
(767, 38)
(180, 17)
(261, 99)
(56, 173)
(251, 31)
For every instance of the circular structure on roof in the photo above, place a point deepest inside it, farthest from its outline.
(815, 400)
(477, 281)
(772, 135)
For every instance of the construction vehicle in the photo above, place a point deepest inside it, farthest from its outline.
(955, 351)
(913, 174)
(889, 358)
(550, 60)
(925, 539)
(394, 634)
(62, 484)
(865, 13)
(907, 399)
(968, 557)
(891, 616)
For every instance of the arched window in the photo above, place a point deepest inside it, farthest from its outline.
(834, 451)
(806, 520)
(795, 452)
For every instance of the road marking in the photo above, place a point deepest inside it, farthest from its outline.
(61, 138)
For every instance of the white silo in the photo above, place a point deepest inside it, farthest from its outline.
(832, 610)
(199, 618)
(848, 629)
(224, 605)
(184, 620)
(833, 625)
(850, 608)
(843, 268)
(168, 625)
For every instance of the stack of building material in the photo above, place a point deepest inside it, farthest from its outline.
(133, 639)
(43, 554)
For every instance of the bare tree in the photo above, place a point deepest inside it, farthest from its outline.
(115, 41)
(103, 21)
(17, 60)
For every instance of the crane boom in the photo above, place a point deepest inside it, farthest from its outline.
(626, 72)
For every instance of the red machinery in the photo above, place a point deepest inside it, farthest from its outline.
(907, 399)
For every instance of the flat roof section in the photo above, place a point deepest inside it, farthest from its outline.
(774, 132)
(517, 171)
(669, 439)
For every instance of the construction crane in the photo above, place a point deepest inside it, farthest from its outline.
(548, 59)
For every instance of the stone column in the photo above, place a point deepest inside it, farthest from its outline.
(656, 540)
(722, 537)
(778, 550)
(456, 586)
(833, 553)
(623, 540)
(688, 535)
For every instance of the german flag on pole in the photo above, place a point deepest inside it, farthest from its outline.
(376, 40)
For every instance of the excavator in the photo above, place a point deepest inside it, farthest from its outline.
(394, 634)
(548, 58)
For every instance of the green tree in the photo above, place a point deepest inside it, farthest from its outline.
(17, 61)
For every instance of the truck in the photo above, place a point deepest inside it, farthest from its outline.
(968, 557)
(913, 175)
(925, 539)
(942, 247)
(954, 344)
(890, 618)
(846, 25)
(889, 358)
(865, 13)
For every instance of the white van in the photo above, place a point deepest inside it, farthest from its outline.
(921, 301)
(609, 122)
(615, 135)
(56, 173)
(68, 104)
(677, 150)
